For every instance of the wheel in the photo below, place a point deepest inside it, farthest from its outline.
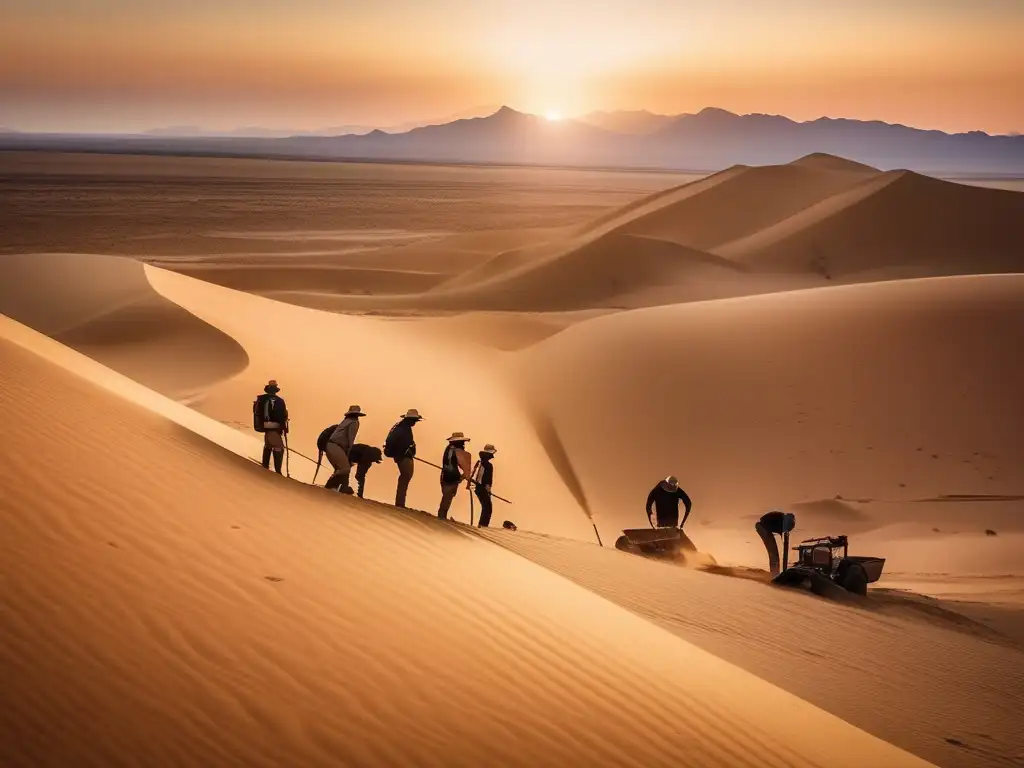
(625, 545)
(855, 580)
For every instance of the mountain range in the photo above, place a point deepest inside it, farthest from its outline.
(262, 132)
(708, 140)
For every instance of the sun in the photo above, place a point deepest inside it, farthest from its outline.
(553, 115)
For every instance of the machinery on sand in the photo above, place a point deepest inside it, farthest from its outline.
(825, 562)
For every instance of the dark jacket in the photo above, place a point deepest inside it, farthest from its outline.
(362, 453)
(665, 500)
(484, 475)
(778, 522)
(400, 440)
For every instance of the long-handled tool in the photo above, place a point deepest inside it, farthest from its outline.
(319, 459)
(437, 466)
(287, 466)
(472, 474)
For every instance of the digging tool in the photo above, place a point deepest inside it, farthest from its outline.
(287, 464)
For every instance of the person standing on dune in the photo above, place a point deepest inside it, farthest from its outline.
(483, 477)
(339, 446)
(455, 469)
(270, 416)
(400, 446)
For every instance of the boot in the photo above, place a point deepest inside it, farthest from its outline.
(278, 460)
(332, 483)
(266, 456)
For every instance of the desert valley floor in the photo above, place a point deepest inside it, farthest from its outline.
(820, 337)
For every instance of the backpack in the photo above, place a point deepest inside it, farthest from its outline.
(450, 473)
(259, 412)
(389, 444)
(321, 442)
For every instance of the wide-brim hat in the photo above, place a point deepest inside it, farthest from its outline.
(412, 413)
(354, 410)
(272, 386)
(458, 437)
(489, 449)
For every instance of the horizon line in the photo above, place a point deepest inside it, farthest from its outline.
(414, 124)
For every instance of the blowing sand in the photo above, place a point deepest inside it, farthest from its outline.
(158, 577)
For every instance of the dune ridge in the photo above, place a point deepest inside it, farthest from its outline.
(104, 307)
(897, 220)
(179, 630)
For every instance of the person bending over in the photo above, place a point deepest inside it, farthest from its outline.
(665, 498)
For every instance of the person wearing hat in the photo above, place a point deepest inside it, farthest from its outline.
(483, 476)
(665, 498)
(455, 469)
(270, 416)
(400, 446)
(339, 445)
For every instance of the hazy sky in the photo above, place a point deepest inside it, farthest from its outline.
(133, 64)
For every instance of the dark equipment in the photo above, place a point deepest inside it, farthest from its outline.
(664, 543)
(824, 562)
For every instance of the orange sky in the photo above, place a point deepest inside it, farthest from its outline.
(135, 64)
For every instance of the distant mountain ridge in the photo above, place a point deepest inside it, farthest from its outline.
(639, 121)
(708, 140)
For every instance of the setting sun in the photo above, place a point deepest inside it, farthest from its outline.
(553, 115)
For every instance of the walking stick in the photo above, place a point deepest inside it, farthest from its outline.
(470, 489)
(318, 460)
(287, 453)
(436, 466)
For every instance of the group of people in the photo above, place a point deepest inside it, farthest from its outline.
(338, 443)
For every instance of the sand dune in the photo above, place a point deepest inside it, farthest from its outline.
(884, 392)
(596, 274)
(829, 162)
(105, 307)
(865, 660)
(204, 611)
(229, 616)
(744, 200)
(900, 220)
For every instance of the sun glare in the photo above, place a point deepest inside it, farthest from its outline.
(553, 115)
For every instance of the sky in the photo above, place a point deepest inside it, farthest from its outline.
(130, 65)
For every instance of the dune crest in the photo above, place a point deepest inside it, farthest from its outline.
(104, 307)
(898, 220)
(833, 163)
